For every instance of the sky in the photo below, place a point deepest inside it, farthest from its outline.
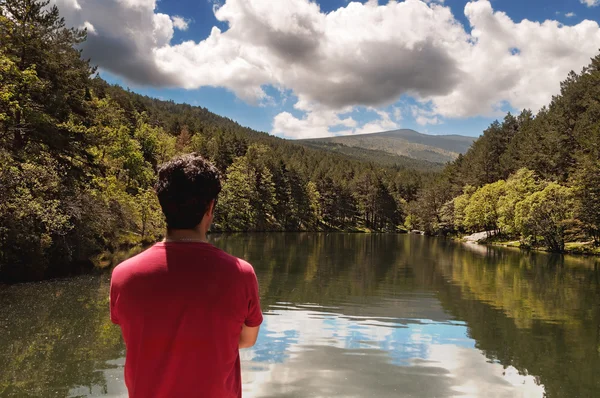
(305, 68)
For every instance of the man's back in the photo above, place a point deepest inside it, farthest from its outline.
(181, 307)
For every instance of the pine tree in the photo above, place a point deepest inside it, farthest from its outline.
(34, 37)
(587, 192)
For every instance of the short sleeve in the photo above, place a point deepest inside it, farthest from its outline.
(254, 317)
(112, 304)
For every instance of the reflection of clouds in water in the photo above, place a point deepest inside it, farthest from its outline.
(305, 353)
(403, 339)
(332, 355)
(478, 377)
(115, 383)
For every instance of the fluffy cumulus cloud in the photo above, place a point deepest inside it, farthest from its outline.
(123, 35)
(383, 122)
(590, 3)
(318, 121)
(518, 63)
(180, 22)
(359, 55)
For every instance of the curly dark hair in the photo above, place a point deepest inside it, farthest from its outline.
(186, 186)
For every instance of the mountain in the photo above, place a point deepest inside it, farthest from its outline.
(374, 156)
(404, 143)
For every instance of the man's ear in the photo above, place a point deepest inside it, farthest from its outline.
(211, 208)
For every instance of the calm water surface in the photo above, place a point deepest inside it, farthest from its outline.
(346, 315)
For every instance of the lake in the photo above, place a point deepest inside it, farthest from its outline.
(346, 315)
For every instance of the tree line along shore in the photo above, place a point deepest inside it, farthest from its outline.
(78, 159)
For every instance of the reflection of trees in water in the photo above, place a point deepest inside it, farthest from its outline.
(55, 336)
(536, 312)
(320, 268)
(539, 313)
(527, 286)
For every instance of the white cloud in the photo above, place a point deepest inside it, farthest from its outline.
(90, 28)
(383, 123)
(319, 121)
(358, 55)
(397, 113)
(546, 52)
(570, 14)
(316, 122)
(126, 33)
(424, 116)
(590, 3)
(180, 23)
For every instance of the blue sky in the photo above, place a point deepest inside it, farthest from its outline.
(467, 91)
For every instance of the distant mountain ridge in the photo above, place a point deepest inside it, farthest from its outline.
(405, 142)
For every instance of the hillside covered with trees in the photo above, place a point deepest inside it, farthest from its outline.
(436, 149)
(78, 159)
(532, 178)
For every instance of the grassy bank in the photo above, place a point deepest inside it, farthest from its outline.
(579, 248)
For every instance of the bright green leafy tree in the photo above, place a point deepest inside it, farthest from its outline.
(546, 213)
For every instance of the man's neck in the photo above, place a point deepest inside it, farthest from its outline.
(185, 235)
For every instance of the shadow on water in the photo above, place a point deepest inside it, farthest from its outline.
(346, 315)
(55, 336)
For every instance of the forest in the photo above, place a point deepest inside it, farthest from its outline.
(78, 159)
(533, 178)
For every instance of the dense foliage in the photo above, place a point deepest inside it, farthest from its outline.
(78, 159)
(531, 177)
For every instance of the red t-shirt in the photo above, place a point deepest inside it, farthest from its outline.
(181, 306)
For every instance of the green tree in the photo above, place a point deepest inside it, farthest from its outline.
(31, 216)
(519, 186)
(157, 146)
(387, 214)
(482, 211)
(482, 164)
(151, 221)
(261, 164)
(511, 160)
(426, 212)
(460, 204)
(365, 191)
(587, 194)
(45, 144)
(546, 213)
(34, 38)
(313, 211)
(12, 102)
(235, 211)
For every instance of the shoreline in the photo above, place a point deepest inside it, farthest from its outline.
(586, 249)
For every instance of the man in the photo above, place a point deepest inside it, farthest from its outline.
(184, 306)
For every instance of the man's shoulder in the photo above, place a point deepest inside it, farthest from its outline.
(243, 265)
(143, 262)
(135, 262)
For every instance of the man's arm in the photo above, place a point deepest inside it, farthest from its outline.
(112, 301)
(248, 336)
(254, 315)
